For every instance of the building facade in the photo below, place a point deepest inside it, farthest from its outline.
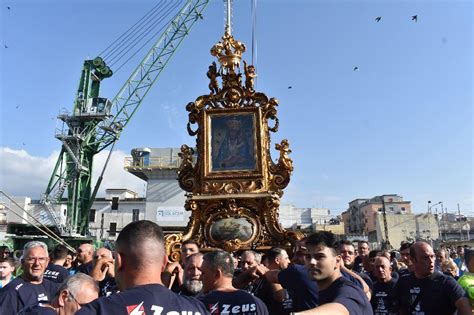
(361, 216)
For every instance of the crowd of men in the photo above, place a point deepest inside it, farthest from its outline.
(322, 276)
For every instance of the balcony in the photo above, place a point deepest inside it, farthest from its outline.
(150, 163)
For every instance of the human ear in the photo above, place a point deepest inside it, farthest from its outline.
(63, 295)
(165, 263)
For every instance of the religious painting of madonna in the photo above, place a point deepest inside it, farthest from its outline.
(233, 142)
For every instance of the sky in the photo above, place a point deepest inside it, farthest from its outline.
(401, 123)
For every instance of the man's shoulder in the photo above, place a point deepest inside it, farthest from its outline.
(56, 268)
(293, 273)
(38, 309)
(143, 299)
(14, 285)
(238, 295)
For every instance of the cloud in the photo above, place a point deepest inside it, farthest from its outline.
(22, 174)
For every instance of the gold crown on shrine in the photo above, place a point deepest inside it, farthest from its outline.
(228, 51)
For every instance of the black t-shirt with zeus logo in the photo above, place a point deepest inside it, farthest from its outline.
(235, 302)
(149, 299)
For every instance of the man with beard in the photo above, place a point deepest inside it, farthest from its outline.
(192, 284)
(337, 295)
(30, 288)
(173, 275)
(426, 291)
(140, 259)
(382, 297)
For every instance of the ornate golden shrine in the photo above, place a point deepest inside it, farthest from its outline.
(234, 187)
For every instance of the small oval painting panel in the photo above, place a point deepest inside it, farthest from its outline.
(231, 228)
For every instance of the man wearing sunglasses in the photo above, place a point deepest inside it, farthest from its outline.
(30, 288)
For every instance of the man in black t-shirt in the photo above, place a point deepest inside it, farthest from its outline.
(426, 291)
(77, 290)
(140, 259)
(55, 270)
(362, 254)
(273, 294)
(220, 296)
(85, 252)
(30, 288)
(383, 293)
(337, 295)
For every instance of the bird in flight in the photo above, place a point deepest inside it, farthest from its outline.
(356, 68)
(378, 18)
(414, 18)
(290, 87)
(6, 46)
(8, 8)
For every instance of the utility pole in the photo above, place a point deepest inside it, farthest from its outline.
(459, 219)
(385, 225)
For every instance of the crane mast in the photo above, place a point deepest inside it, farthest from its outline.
(96, 123)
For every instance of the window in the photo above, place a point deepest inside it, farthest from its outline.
(115, 203)
(112, 228)
(92, 215)
(403, 208)
(135, 215)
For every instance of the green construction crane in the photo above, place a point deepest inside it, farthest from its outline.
(96, 123)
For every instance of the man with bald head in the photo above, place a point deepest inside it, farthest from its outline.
(140, 260)
(84, 255)
(382, 296)
(426, 291)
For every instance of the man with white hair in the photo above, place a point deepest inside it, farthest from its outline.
(30, 288)
(103, 271)
(76, 291)
(192, 284)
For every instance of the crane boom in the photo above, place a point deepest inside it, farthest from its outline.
(96, 122)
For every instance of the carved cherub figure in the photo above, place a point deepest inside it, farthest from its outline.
(212, 75)
(249, 75)
(285, 160)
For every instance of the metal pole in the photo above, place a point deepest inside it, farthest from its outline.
(228, 24)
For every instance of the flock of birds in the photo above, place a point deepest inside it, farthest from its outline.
(378, 18)
(356, 68)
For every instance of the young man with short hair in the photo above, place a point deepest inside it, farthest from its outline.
(337, 295)
(7, 267)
